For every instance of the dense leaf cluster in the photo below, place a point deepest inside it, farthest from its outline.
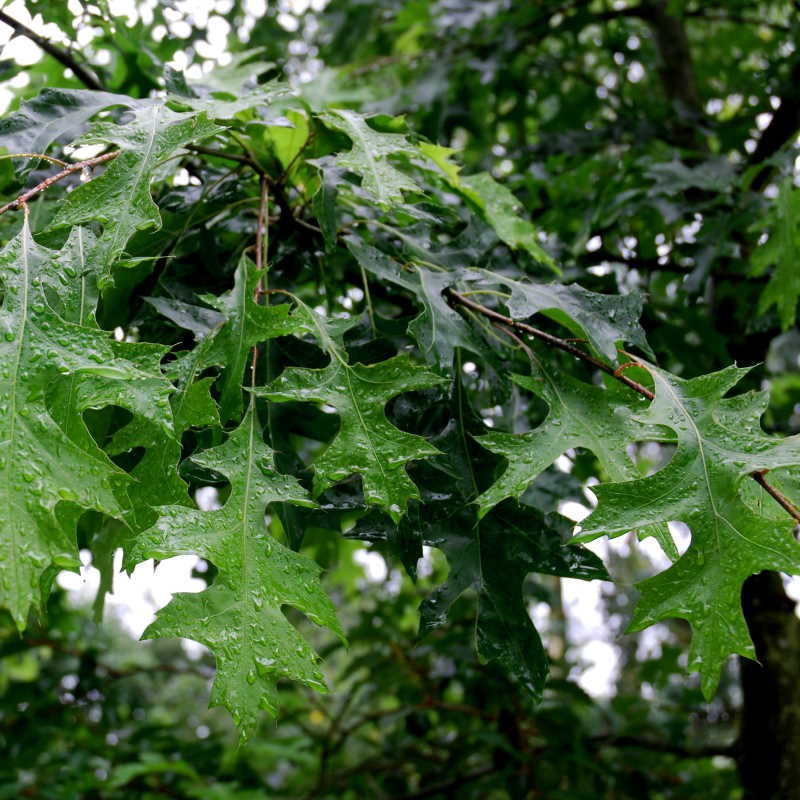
(386, 279)
(377, 409)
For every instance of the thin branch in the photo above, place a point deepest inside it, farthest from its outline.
(507, 324)
(448, 786)
(42, 156)
(456, 298)
(734, 19)
(262, 223)
(112, 672)
(261, 231)
(707, 751)
(237, 157)
(776, 494)
(307, 225)
(89, 163)
(60, 55)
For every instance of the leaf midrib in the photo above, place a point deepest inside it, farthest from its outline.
(358, 137)
(15, 382)
(710, 494)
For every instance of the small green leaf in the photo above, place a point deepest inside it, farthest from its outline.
(369, 156)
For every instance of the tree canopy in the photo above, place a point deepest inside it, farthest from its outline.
(421, 278)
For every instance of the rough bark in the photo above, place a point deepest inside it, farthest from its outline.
(677, 74)
(768, 750)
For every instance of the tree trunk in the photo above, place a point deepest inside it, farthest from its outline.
(768, 750)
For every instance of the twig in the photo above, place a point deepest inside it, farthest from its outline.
(62, 56)
(776, 494)
(224, 154)
(456, 298)
(59, 176)
(707, 751)
(507, 324)
(112, 672)
(448, 787)
(262, 221)
(42, 156)
(737, 19)
(261, 228)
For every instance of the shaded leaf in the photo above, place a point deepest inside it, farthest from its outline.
(438, 329)
(492, 558)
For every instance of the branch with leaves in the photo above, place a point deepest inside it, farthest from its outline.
(342, 403)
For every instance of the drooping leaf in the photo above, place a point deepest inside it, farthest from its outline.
(240, 617)
(603, 319)
(719, 443)
(132, 379)
(192, 404)
(46, 462)
(492, 557)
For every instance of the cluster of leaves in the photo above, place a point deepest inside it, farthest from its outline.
(168, 409)
(318, 314)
